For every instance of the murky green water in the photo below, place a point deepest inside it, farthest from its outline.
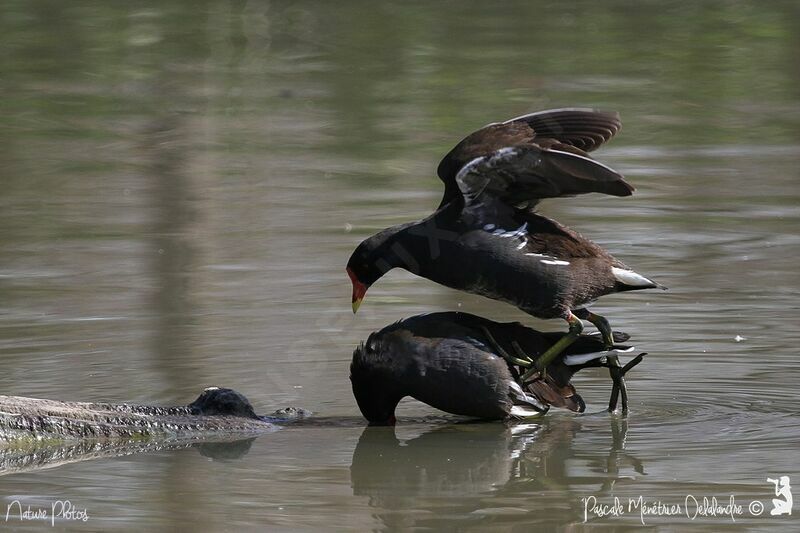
(180, 188)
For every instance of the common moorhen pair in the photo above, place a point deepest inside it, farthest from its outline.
(486, 238)
(458, 362)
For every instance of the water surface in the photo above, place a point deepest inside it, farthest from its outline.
(180, 188)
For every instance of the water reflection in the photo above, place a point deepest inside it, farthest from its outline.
(242, 138)
(465, 464)
(16, 460)
(164, 144)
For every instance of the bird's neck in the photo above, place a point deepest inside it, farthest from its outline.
(405, 248)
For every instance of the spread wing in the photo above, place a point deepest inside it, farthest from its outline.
(520, 176)
(584, 129)
(574, 131)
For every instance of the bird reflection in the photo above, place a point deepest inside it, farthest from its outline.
(460, 470)
(618, 459)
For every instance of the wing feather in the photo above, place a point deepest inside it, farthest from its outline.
(582, 128)
(526, 174)
(558, 140)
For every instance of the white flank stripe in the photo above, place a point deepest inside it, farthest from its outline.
(631, 278)
(519, 232)
(581, 358)
(549, 260)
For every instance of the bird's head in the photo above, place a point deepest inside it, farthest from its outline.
(375, 384)
(373, 258)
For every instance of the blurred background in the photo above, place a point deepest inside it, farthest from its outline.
(182, 183)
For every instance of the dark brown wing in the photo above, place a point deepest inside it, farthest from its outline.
(523, 175)
(585, 129)
(572, 130)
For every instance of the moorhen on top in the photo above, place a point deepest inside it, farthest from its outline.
(486, 238)
(452, 361)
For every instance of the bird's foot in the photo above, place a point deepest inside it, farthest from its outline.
(618, 388)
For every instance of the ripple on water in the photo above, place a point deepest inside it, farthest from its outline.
(734, 422)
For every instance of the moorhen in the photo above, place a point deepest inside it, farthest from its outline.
(486, 238)
(457, 362)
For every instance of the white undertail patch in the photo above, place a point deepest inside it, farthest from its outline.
(631, 278)
(522, 411)
(525, 405)
(514, 386)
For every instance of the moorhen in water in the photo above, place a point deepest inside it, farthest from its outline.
(486, 238)
(461, 363)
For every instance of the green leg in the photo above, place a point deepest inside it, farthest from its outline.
(499, 349)
(600, 323)
(575, 329)
(614, 369)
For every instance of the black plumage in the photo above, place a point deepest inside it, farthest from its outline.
(454, 361)
(486, 238)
